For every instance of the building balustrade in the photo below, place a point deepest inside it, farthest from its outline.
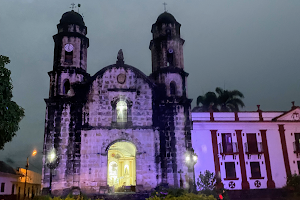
(296, 146)
(228, 149)
(253, 149)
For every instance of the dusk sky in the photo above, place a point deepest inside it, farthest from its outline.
(252, 46)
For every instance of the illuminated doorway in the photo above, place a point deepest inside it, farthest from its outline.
(121, 169)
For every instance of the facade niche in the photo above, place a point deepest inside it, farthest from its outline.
(121, 113)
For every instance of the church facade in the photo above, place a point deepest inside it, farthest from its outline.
(118, 127)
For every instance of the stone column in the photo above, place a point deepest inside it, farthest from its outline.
(284, 150)
(270, 182)
(245, 183)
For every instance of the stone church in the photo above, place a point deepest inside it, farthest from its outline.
(119, 127)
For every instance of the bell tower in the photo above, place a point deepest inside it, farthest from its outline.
(167, 55)
(64, 107)
(172, 108)
(70, 54)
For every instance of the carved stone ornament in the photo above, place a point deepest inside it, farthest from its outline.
(257, 183)
(231, 184)
(121, 78)
(120, 55)
(295, 116)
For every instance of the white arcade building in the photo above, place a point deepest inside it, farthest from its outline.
(248, 150)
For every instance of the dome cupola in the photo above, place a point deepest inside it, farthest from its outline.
(164, 25)
(166, 18)
(72, 17)
(72, 21)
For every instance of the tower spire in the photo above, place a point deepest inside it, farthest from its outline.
(165, 6)
(72, 6)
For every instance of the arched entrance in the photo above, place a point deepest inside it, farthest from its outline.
(121, 169)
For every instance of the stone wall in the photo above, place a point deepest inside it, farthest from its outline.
(106, 89)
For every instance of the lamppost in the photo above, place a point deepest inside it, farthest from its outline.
(191, 159)
(52, 162)
(26, 167)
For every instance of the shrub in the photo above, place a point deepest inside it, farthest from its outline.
(41, 198)
(293, 185)
(185, 196)
(69, 197)
(163, 192)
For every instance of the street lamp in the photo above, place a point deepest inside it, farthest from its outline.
(27, 165)
(52, 162)
(191, 159)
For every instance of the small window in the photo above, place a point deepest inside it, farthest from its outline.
(2, 187)
(69, 57)
(121, 111)
(19, 193)
(255, 169)
(297, 141)
(230, 170)
(66, 87)
(227, 143)
(168, 33)
(172, 88)
(13, 189)
(170, 57)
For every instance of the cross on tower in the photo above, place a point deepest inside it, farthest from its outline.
(72, 6)
(165, 4)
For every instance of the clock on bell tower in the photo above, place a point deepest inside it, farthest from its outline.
(70, 54)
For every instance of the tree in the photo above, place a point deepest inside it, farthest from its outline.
(229, 100)
(208, 102)
(207, 184)
(10, 112)
(206, 180)
(222, 100)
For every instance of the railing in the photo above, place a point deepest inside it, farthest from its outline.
(232, 146)
(296, 147)
(259, 149)
(235, 147)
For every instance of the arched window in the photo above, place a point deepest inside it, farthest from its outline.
(66, 87)
(173, 88)
(121, 111)
(170, 57)
(168, 33)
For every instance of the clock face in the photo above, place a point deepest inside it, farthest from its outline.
(69, 47)
(170, 50)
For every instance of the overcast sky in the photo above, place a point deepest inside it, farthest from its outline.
(252, 46)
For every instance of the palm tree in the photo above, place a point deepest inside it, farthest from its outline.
(229, 100)
(208, 102)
